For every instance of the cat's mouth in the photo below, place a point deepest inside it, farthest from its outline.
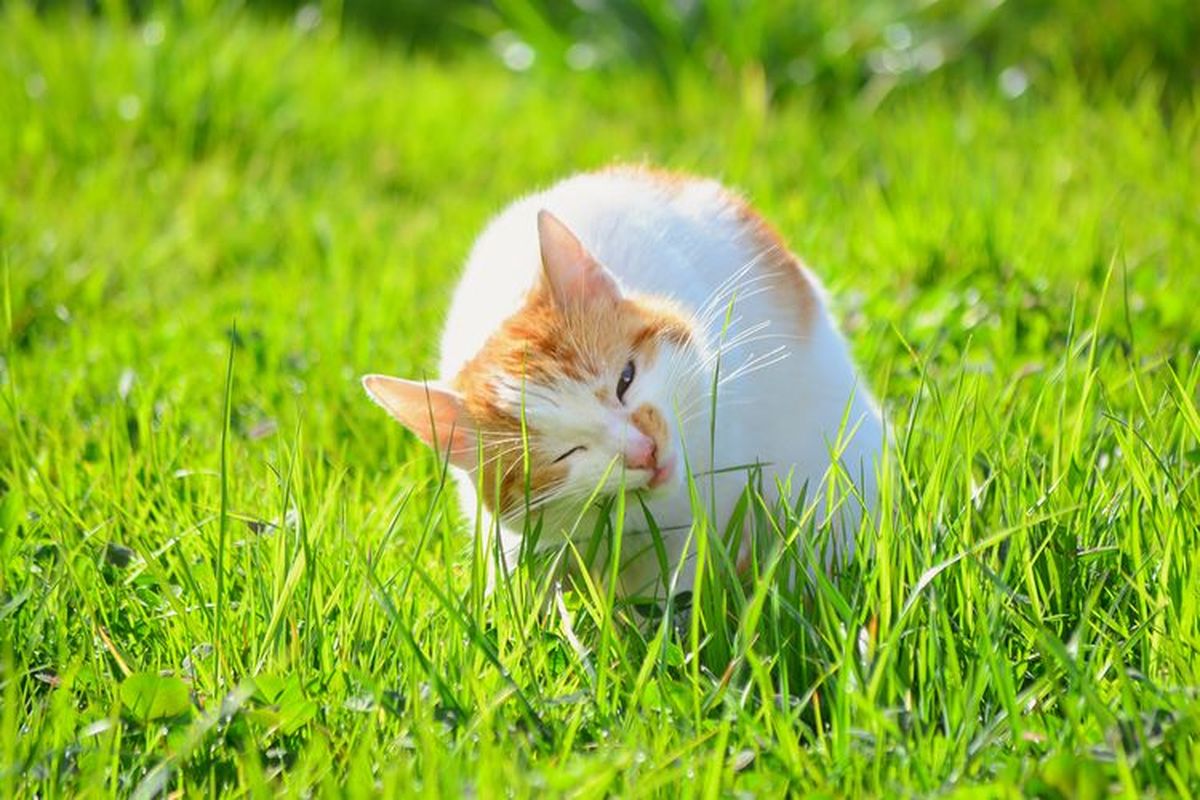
(658, 475)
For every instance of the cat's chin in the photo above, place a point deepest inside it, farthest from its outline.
(661, 476)
(659, 480)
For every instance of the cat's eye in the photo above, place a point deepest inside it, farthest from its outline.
(624, 381)
(577, 448)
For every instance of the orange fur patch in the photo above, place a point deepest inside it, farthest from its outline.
(649, 420)
(670, 180)
(779, 261)
(663, 325)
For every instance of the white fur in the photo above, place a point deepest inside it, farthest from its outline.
(788, 384)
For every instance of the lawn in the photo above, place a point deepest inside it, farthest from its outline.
(223, 570)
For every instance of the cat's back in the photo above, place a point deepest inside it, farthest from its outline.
(658, 232)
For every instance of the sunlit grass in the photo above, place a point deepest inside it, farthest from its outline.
(1017, 279)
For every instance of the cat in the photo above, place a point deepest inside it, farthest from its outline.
(617, 331)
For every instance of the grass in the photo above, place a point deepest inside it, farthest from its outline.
(223, 570)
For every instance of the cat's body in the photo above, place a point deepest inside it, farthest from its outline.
(705, 295)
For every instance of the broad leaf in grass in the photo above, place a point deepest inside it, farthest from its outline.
(148, 696)
(283, 704)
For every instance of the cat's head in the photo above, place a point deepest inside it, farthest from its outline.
(585, 386)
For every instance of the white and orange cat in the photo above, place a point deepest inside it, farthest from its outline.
(618, 330)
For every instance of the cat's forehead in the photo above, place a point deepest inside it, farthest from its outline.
(546, 347)
(560, 402)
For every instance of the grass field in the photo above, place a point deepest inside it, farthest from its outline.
(221, 569)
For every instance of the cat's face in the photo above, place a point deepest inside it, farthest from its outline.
(583, 388)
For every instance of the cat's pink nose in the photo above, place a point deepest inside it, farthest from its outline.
(641, 452)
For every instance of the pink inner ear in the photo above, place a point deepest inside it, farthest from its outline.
(437, 416)
(573, 275)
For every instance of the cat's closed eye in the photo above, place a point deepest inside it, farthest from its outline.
(577, 448)
(625, 380)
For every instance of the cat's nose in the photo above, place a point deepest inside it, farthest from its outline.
(641, 452)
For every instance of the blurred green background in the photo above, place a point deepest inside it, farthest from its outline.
(838, 48)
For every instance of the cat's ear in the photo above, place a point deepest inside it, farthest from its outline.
(436, 415)
(573, 275)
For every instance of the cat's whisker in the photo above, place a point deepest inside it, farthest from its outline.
(522, 391)
(733, 280)
(721, 303)
(497, 437)
(496, 455)
(741, 335)
(517, 462)
(737, 287)
(737, 300)
(706, 366)
(495, 451)
(762, 361)
(744, 291)
(755, 333)
(741, 297)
